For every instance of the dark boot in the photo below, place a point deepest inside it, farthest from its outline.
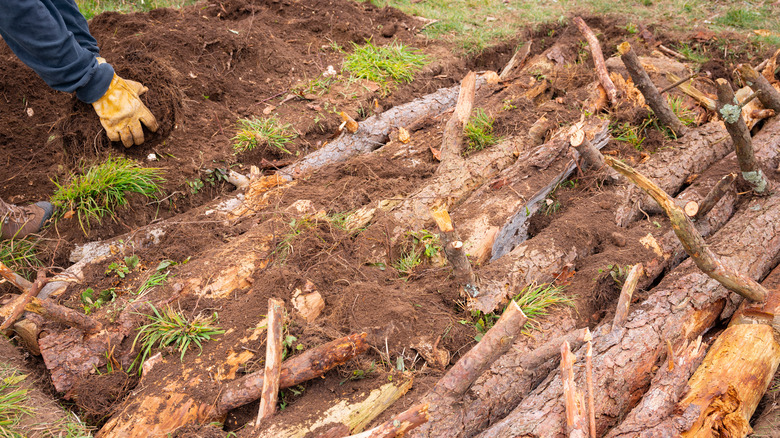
(18, 222)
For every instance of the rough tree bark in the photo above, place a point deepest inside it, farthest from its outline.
(685, 304)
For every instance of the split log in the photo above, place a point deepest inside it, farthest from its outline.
(704, 145)
(769, 96)
(598, 59)
(15, 309)
(589, 382)
(399, 425)
(740, 136)
(354, 413)
(273, 361)
(721, 396)
(685, 304)
(573, 399)
(666, 389)
(653, 98)
(692, 241)
(148, 414)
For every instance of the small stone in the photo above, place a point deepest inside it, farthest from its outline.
(618, 239)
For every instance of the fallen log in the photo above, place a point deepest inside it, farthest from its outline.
(685, 304)
(148, 414)
(506, 203)
(354, 413)
(653, 98)
(705, 145)
(720, 397)
(598, 59)
(692, 241)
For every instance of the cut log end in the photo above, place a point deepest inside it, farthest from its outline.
(691, 208)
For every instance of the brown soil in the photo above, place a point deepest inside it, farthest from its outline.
(208, 65)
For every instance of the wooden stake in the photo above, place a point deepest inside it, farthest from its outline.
(769, 96)
(646, 86)
(273, 361)
(598, 59)
(589, 382)
(731, 113)
(576, 423)
(493, 344)
(691, 240)
(714, 195)
(624, 303)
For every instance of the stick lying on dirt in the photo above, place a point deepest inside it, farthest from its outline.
(740, 135)
(685, 304)
(769, 96)
(721, 396)
(15, 308)
(692, 241)
(653, 98)
(598, 59)
(147, 414)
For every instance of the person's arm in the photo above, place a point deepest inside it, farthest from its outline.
(37, 33)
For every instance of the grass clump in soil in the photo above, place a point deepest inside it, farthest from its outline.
(20, 256)
(103, 188)
(168, 327)
(393, 62)
(686, 116)
(268, 131)
(479, 131)
(12, 402)
(416, 248)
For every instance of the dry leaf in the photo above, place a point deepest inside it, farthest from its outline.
(436, 153)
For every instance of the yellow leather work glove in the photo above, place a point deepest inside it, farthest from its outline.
(138, 87)
(121, 112)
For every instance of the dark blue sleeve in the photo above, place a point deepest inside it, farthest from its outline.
(52, 38)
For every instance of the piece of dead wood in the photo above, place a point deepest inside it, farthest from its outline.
(453, 249)
(714, 195)
(15, 279)
(679, 82)
(400, 424)
(574, 401)
(692, 241)
(150, 415)
(538, 131)
(589, 382)
(517, 60)
(598, 59)
(348, 122)
(626, 293)
(653, 98)
(17, 306)
(740, 135)
(55, 312)
(769, 96)
(354, 413)
(273, 361)
(682, 307)
(452, 139)
(587, 151)
(671, 52)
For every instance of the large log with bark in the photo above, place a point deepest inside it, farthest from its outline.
(706, 144)
(685, 304)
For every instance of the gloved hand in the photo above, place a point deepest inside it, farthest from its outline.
(121, 112)
(138, 87)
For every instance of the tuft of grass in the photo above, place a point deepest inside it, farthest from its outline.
(626, 132)
(686, 116)
(90, 8)
(536, 300)
(104, 187)
(694, 53)
(168, 327)
(21, 256)
(268, 131)
(12, 402)
(418, 244)
(741, 18)
(383, 64)
(479, 131)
